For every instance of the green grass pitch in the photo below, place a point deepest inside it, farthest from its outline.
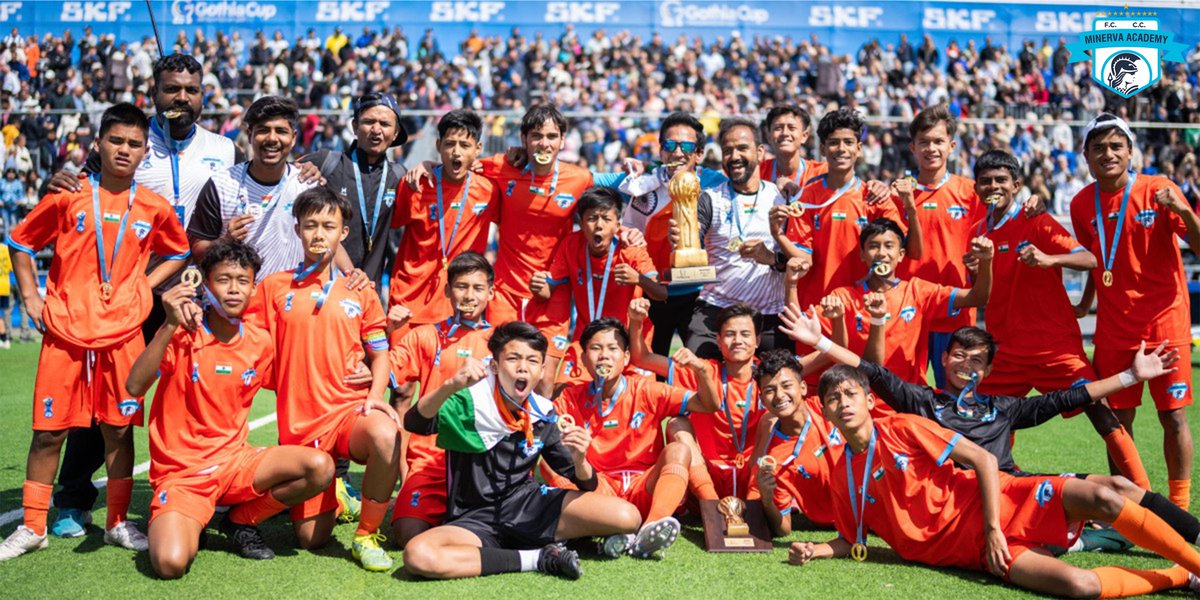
(87, 567)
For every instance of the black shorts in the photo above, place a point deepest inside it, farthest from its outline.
(527, 520)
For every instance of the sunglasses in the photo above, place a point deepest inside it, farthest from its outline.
(671, 145)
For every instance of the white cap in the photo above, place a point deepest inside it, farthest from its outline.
(1107, 121)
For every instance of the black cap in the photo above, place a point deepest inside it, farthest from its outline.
(374, 99)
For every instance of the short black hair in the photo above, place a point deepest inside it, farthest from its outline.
(461, 119)
(319, 199)
(929, 118)
(780, 110)
(737, 309)
(732, 123)
(230, 250)
(680, 118)
(537, 115)
(272, 107)
(973, 337)
(598, 198)
(879, 227)
(469, 262)
(516, 331)
(175, 63)
(998, 159)
(124, 114)
(839, 374)
(600, 326)
(773, 361)
(842, 118)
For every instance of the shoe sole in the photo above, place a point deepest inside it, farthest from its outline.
(619, 547)
(656, 538)
(41, 546)
(69, 535)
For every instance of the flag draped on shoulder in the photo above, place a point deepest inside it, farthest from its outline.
(470, 420)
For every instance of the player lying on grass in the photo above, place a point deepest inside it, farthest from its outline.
(494, 428)
(211, 368)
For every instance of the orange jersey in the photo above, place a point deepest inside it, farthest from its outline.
(803, 466)
(1029, 312)
(809, 169)
(536, 213)
(831, 234)
(198, 418)
(415, 357)
(1148, 299)
(626, 432)
(311, 346)
(418, 279)
(569, 268)
(916, 307)
(740, 411)
(74, 311)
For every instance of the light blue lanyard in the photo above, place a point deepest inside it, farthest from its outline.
(735, 216)
(935, 187)
(98, 218)
(594, 311)
(1108, 254)
(799, 439)
(172, 153)
(448, 244)
(302, 272)
(454, 323)
(596, 388)
(537, 190)
(846, 187)
(274, 195)
(362, 199)
(738, 442)
(799, 172)
(858, 500)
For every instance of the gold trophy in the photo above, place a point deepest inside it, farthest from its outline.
(734, 511)
(689, 261)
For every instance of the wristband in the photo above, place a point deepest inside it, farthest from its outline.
(879, 321)
(824, 344)
(1127, 378)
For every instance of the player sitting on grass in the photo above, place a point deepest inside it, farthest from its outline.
(199, 455)
(494, 428)
(624, 415)
(316, 323)
(97, 295)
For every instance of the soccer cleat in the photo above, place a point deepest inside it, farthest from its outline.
(367, 551)
(71, 522)
(21, 541)
(557, 560)
(126, 535)
(654, 538)
(349, 501)
(247, 538)
(1103, 540)
(617, 544)
(1193, 583)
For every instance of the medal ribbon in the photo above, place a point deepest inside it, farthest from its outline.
(960, 404)
(1013, 210)
(536, 190)
(172, 153)
(799, 172)
(738, 442)
(454, 322)
(447, 244)
(1108, 254)
(858, 500)
(596, 388)
(362, 199)
(98, 218)
(596, 305)
(735, 210)
(302, 272)
(849, 185)
(935, 187)
(799, 439)
(274, 195)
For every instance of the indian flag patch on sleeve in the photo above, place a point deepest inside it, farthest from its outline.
(224, 370)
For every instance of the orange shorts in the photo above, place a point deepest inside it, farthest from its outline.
(1014, 376)
(551, 317)
(1171, 391)
(629, 486)
(77, 387)
(722, 473)
(197, 494)
(336, 442)
(1032, 515)
(423, 495)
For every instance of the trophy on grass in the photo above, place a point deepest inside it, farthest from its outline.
(689, 261)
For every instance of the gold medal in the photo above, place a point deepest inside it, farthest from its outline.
(542, 158)
(882, 269)
(993, 199)
(795, 210)
(734, 244)
(565, 422)
(191, 277)
(106, 291)
(858, 551)
(767, 463)
(1107, 278)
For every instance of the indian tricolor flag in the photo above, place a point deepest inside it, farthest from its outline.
(224, 370)
(470, 421)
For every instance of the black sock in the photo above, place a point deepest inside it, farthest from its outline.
(498, 560)
(1180, 520)
(341, 468)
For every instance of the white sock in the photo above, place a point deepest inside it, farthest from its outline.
(529, 559)
(1077, 546)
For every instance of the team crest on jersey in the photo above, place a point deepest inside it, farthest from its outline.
(1177, 390)
(478, 208)
(861, 222)
(835, 438)
(141, 229)
(901, 462)
(389, 199)
(803, 472)
(79, 217)
(248, 376)
(352, 308)
(1146, 217)
(416, 498)
(213, 162)
(560, 342)
(509, 190)
(287, 302)
(344, 192)
(956, 212)
(908, 313)
(1045, 493)
(129, 407)
(48, 407)
(564, 200)
(433, 212)
(859, 325)
(195, 372)
(817, 222)
(644, 204)
(637, 419)
(1023, 244)
(162, 497)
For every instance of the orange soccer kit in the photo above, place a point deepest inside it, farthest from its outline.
(627, 440)
(803, 466)
(439, 224)
(536, 214)
(199, 456)
(316, 322)
(431, 354)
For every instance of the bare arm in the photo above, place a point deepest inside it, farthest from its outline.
(982, 251)
(987, 473)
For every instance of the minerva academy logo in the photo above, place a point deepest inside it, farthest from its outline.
(1126, 49)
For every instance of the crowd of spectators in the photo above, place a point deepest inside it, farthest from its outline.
(53, 88)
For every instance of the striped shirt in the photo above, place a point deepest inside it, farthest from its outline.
(234, 191)
(200, 156)
(740, 279)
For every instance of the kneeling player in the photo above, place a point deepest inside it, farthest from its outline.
(199, 456)
(932, 512)
(494, 428)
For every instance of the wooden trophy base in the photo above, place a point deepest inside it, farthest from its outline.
(716, 539)
(691, 276)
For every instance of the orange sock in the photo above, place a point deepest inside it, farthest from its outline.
(1180, 492)
(117, 498)
(257, 510)
(668, 492)
(1149, 531)
(35, 498)
(1120, 582)
(701, 483)
(371, 516)
(1125, 454)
